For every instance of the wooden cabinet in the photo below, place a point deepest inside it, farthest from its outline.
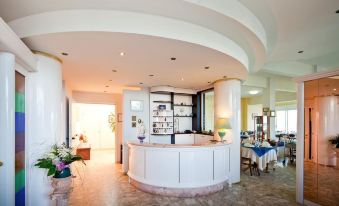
(85, 153)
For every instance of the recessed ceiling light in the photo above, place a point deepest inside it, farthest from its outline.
(106, 86)
(105, 91)
(151, 75)
(182, 78)
(64, 53)
(208, 82)
(253, 92)
(224, 77)
(207, 67)
(300, 52)
(173, 58)
(122, 54)
(110, 80)
(113, 70)
(337, 12)
(141, 83)
(334, 89)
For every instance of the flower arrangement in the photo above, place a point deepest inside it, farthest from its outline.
(58, 160)
(83, 138)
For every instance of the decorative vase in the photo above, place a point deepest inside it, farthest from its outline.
(222, 135)
(66, 172)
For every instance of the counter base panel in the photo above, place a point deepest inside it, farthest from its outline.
(178, 192)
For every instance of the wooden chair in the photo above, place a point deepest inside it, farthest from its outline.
(248, 162)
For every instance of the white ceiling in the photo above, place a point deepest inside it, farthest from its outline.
(93, 56)
(289, 26)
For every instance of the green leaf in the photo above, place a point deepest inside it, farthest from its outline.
(51, 171)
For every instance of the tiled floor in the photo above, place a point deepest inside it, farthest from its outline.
(104, 184)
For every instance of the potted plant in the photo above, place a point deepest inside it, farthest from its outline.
(335, 140)
(57, 161)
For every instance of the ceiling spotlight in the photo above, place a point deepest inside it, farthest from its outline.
(105, 91)
(208, 82)
(64, 53)
(151, 75)
(110, 80)
(141, 83)
(337, 12)
(253, 92)
(300, 52)
(122, 54)
(106, 86)
(334, 89)
(173, 58)
(113, 70)
(225, 77)
(207, 67)
(182, 78)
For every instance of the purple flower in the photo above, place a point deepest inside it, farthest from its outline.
(61, 165)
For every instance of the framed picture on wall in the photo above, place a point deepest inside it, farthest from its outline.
(137, 105)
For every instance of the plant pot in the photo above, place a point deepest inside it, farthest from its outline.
(61, 185)
(63, 173)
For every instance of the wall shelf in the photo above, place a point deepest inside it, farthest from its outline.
(159, 101)
(179, 105)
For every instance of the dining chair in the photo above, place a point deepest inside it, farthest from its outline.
(248, 162)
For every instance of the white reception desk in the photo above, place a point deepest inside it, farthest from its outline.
(179, 170)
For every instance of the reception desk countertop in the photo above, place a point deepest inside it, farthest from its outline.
(212, 144)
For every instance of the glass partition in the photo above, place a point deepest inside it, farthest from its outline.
(321, 141)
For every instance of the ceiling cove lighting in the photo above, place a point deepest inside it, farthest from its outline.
(253, 92)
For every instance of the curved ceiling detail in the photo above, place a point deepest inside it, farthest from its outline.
(127, 22)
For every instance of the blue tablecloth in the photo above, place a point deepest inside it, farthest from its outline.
(260, 151)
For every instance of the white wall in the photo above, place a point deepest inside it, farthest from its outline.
(252, 109)
(130, 133)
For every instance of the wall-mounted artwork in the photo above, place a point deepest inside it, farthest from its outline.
(137, 105)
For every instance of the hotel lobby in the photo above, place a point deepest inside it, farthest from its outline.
(171, 102)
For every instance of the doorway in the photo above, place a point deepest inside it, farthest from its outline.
(94, 126)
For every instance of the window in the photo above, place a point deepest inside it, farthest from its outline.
(207, 107)
(286, 120)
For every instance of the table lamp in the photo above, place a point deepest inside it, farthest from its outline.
(222, 125)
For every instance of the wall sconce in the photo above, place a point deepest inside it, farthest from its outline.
(222, 125)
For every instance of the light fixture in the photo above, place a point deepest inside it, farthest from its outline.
(105, 91)
(182, 78)
(253, 92)
(64, 53)
(151, 75)
(337, 12)
(110, 80)
(113, 70)
(141, 83)
(208, 82)
(300, 52)
(334, 89)
(122, 54)
(222, 125)
(207, 67)
(173, 58)
(225, 77)
(106, 86)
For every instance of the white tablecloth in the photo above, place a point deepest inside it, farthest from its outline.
(261, 161)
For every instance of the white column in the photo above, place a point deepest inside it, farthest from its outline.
(44, 108)
(271, 104)
(227, 104)
(7, 128)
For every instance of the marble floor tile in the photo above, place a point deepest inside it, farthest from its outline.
(101, 182)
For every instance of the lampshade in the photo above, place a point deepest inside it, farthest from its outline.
(223, 123)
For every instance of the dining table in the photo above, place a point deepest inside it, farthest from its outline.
(262, 156)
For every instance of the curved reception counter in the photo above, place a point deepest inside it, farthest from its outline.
(179, 170)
